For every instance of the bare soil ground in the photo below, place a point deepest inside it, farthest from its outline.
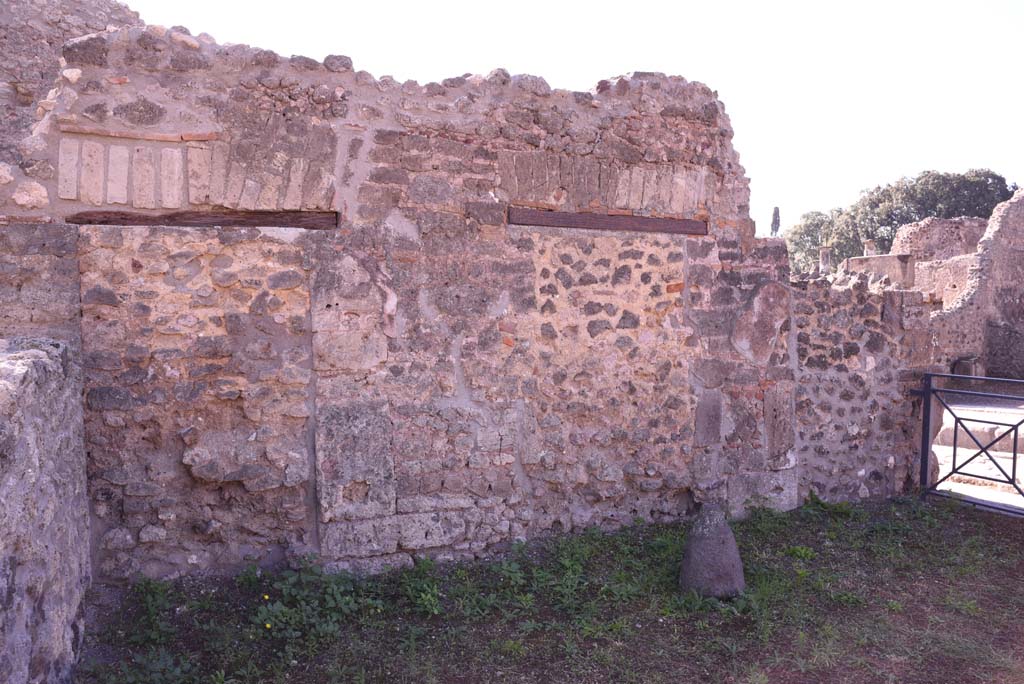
(896, 592)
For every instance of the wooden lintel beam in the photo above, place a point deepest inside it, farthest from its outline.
(314, 220)
(523, 216)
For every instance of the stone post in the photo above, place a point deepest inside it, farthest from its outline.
(824, 260)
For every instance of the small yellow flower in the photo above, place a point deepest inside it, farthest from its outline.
(268, 625)
(266, 597)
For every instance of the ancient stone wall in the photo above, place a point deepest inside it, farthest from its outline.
(425, 378)
(856, 346)
(44, 564)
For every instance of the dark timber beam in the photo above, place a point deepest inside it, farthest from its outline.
(521, 216)
(314, 220)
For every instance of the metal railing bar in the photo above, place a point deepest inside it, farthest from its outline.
(990, 456)
(972, 377)
(956, 433)
(980, 503)
(972, 393)
(982, 477)
(989, 422)
(1015, 438)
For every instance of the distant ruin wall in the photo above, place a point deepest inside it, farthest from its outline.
(44, 560)
(937, 238)
(1003, 354)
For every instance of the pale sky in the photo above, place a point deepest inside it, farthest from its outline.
(826, 98)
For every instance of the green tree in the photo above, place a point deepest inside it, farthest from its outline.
(775, 222)
(879, 213)
(815, 230)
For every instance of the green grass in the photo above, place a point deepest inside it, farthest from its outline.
(896, 592)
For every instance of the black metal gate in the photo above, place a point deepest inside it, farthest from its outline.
(964, 438)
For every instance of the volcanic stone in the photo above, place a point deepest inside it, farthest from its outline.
(711, 559)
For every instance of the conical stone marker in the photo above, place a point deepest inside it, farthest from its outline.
(711, 559)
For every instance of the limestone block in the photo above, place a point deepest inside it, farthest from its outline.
(200, 170)
(624, 183)
(637, 180)
(320, 193)
(143, 178)
(360, 538)
(30, 195)
(67, 169)
(250, 194)
(117, 174)
(267, 200)
(507, 174)
(757, 328)
(92, 184)
(778, 422)
(708, 420)
(347, 316)
(219, 172)
(355, 462)
(235, 184)
(172, 178)
(429, 530)
(776, 489)
(293, 195)
(658, 191)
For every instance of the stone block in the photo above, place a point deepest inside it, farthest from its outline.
(430, 530)
(30, 195)
(219, 172)
(757, 328)
(355, 462)
(172, 178)
(67, 169)
(708, 419)
(293, 194)
(92, 184)
(637, 180)
(347, 315)
(711, 564)
(269, 193)
(622, 189)
(320, 193)
(359, 538)
(250, 195)
(235, 184)
(778, 423)
(776, 489)
(143, 178)
(117, 174)
(200, 171)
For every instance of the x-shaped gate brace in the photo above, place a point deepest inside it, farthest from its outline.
(927, 391)
(959, 422)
